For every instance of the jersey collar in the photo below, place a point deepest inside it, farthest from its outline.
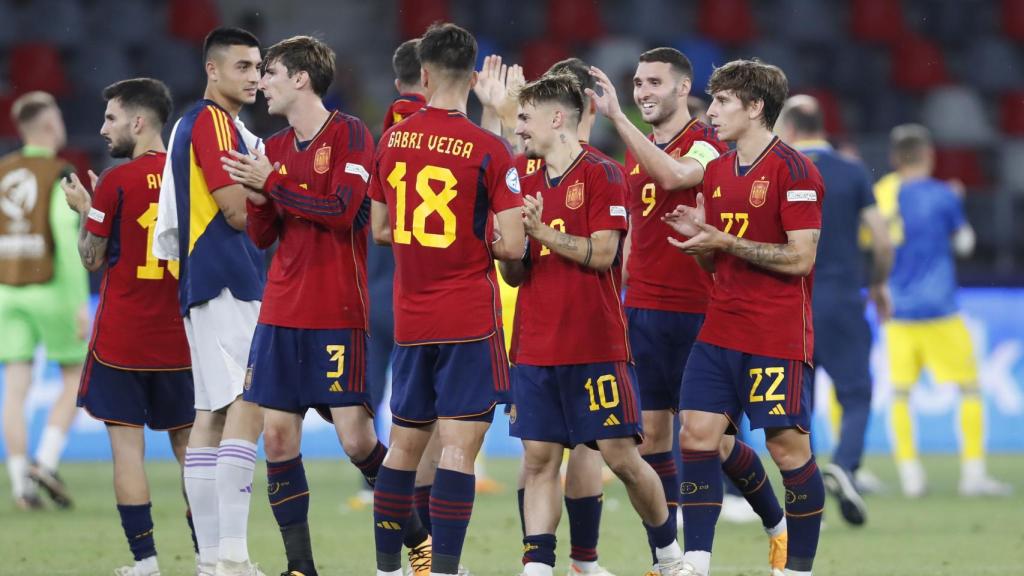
(553, 182)
(671, 142)
(764, 153)
(301, 146)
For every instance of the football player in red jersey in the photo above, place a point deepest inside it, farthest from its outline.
(437, 181)
(666, 290)
(575, 385)
(138, 370)
(406, 64)
(756, 226)
(314, 205)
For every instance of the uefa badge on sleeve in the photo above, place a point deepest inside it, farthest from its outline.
(758, 193)
(322, 160)
(574, 196)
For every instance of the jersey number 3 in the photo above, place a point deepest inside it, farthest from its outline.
(152, 269)
(432, 202)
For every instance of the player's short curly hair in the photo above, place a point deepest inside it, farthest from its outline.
(304, 54)
(147, 93)
(577, 68)
(750, 81)
(448, 47)
(406, 62)
(561, 89)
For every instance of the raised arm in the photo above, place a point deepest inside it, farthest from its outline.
(92, 248)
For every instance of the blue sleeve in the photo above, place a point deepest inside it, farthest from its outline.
(954, 211)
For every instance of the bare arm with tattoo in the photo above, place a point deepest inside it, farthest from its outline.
(596, 251)
(92, 249)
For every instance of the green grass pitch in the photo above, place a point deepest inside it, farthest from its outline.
(941, 534)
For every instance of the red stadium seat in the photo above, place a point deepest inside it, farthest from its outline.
(877, 20)
(1011, 113)
(192, 20)
(80, 159)
(7, 127)
(918, 64)
(415, 16)
(1013, 19)
(574, 21)
(963, 164)
(834, 125)
(539, 55)
(726, 21)
(35, 66)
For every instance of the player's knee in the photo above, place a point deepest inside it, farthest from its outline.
(625, 469)
(279, 443)
(788, 453)
(693, 438)
(539, 462)
(358, 446)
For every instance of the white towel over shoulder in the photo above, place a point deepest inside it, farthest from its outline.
(165, 237)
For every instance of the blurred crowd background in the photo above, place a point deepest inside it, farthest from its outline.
(953, 65)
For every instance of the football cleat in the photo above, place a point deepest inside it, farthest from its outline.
(229, 568)
(912, 478)
(653, 572)
(678, 567)
(419, 558)
(597, 570)
(463, 571)
(778, 547)
(984, 486)
(132, 571)
(52, 483)
(205, 569)
(29, 502)
(839, 483)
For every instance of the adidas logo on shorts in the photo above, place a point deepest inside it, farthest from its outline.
(335, 387)
(778, 410)
(611, 420)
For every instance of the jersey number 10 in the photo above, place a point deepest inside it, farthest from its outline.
(431, 203)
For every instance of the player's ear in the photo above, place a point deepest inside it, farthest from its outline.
(424, 77)
(300, 78)
(211, 70)
(755, 109)
(398, 86)
(685, 84)
(473, 79)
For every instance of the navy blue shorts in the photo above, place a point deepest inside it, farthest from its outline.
(160, 399)
(462, 381)
(295, 369)
(842, 346)
(575, 404)
(661, 343)
(774, 393)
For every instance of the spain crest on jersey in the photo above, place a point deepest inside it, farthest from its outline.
(322, 160)
(574, 196)
(758, 193)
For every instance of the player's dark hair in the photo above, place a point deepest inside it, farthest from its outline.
(562, 89)
(147, 93)
(225, 37)
(30, 105)
(750, 81)
(679, 62)
(304, 54)
(909, 143)
(449, 47)
(406, 62)
(577, 68)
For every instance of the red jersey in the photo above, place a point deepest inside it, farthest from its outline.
(567, 313)
(527, 166)
(318, 208)
(405, 105)
(659, 276)
(752, 309)
(138, 323)
(442, 177)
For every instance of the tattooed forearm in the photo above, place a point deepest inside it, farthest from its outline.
(92, 249)
(789, 258)
(596, 252)
(566, 241)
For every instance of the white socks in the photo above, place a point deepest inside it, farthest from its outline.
(236, 461)
(700, 560)
(535, 569)
(51, 446)
(669, 553)
(17, 469)
(201, 487)
(147, 566)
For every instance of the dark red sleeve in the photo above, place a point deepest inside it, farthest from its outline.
(213, 135)
(263, 224)
(375, 191)
(100, 218)
(503, 181)
(606, 198)
(344, 198)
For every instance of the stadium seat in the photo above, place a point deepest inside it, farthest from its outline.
(859, 70)
(1011, 165)
(1013, 19)
(956, 117)
(806, 21)
(617, 57)
(877, 20)
(7, 127)
(143, 18)
(80, 159)
(992, 64)
(658, 23)
(918, 64)
(574, 21)
(539, 55)
(95, 66)
(36, 66)
(192, 20)
(415, 16)
(1011, 113)
(730, 22)
(185, 81)
(56, 22)
(831, 108)
(963, 164)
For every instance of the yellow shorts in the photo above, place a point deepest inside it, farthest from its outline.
(943, 346)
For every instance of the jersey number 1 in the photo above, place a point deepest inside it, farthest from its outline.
(152, 269)
(431, 203)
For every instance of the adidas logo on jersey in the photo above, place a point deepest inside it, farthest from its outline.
(778, 410)
(611, 420)
(335, 387)
(388, 525)
(718, 192)
(636, 170)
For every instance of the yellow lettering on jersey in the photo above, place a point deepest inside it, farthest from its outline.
(448, 145)
(635, 171)
(718, 192)
(532, 166)
(153, 181)
(403, 139)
